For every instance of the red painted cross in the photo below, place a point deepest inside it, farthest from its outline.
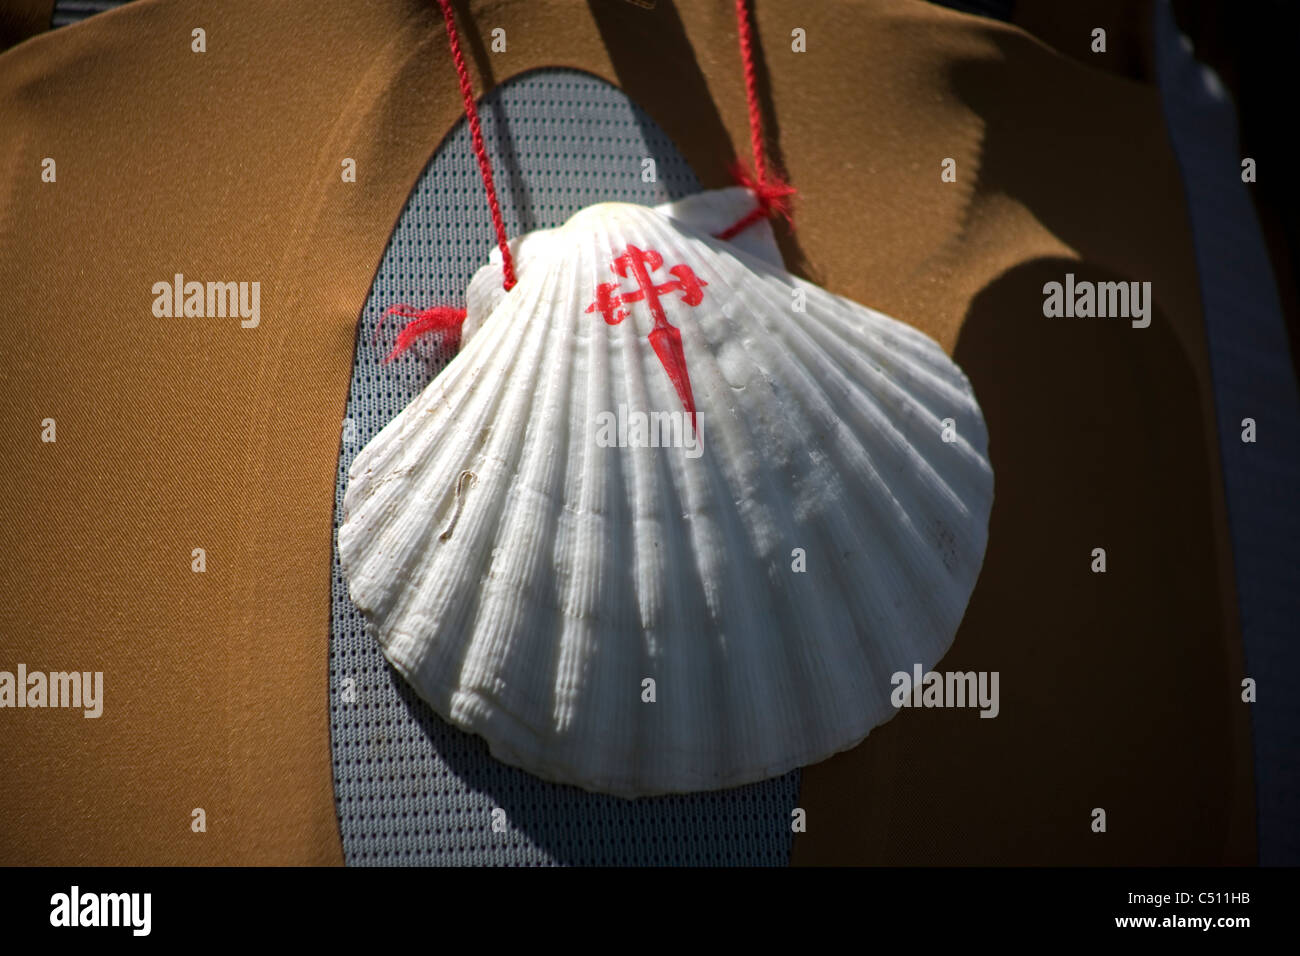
(665, 339)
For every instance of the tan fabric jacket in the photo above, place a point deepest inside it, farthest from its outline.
(1118, 690)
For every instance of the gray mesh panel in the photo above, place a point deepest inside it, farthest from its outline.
(411, 789)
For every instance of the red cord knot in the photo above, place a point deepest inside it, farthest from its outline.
(439, 318)
(772, 196)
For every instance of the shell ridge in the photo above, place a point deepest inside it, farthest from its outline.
(667, 653)
(597, 689)
(804, 386)
(500, 457)
(737, 489)
(743, 686)
(916, 450)
(837, 669)
(856, 371)
(940, 391)
(517, 588)
(433, 615)
(383, 521)
(448, 388)
(584, 533)
(922, 454)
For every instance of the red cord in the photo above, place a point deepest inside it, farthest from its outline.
(751, 89)
(446, 319)
(484, 166)
(772, 193)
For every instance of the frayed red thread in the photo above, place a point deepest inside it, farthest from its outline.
(772, 192)
(439, 318)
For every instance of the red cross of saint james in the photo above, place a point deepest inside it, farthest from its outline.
(665, 339)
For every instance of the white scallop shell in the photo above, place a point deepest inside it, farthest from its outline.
(527, 581)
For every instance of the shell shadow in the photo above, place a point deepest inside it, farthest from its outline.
(1118, 690)
(580, 828)
(1119, 687)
